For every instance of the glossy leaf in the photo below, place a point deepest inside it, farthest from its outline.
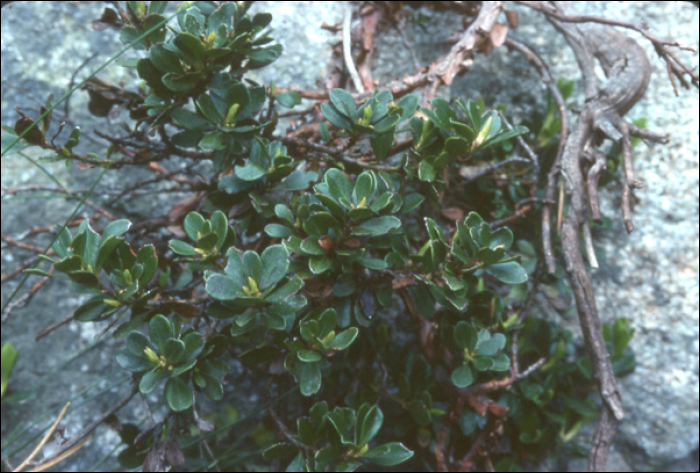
(178, 394)
(309, 378)
(509, 273)
(369, 421)
(160, 330)
(275, 261)
(462, 376)
(344, 339)
(389, 454)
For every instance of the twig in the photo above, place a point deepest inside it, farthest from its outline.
(46, 438)
(347, 49)
(87, 430)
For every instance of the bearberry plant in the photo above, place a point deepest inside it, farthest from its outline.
(370, 288)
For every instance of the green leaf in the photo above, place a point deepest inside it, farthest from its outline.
(338, 185)
(178, 394)
(344, 103)
(235, 268)
(92, 309)
(288, 99)
(274, 320)
(373, 263)
(250, 172)
(213, 141)
(189, 120)
(106, 249)
(150, 379)
(344, 339)
(309, 378)
(298, 180)
(389, 454)
(369, 421)
(275, 230)
(149, 260)
(320, 264)
(285, 290)
(206, 105)
(182, 248)
(116, 228)
(135, 344)
(343, 420)
(465, 335)
(365, 187)
(482, 363)
(334, 117)
(275, 261)
(194, 344)
(160, 330)
(264, 56)
(381, 144)
(509, 273)
(490, 346)
(519, 130)
(174, 350)
(9, 357)
(377, 226)
(165, 60)
(132, 362)
(462, 376)
(253, 265)
(193, 225)
(426, 172)
(191, 49)
(219, 224)
(308, 356)
(223, 288)
(501, 237)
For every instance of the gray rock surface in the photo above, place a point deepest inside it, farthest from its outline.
(650, 277)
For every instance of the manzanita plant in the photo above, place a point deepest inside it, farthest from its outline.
(333, 264)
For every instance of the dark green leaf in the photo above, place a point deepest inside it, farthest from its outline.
(309, 378)
(275, 261)
(308, 356)
(462, 376)
(178, 394)
(319, 264)
(344, 103)
(285, 290)
(509, 273)
(377, 226)
(223, 288)
(381, 144)
(132, 362)
(165, 60)
(194, 344)
(191, 49)
(490, 346)
(276, 230)
(343, 420)
(389, 454)
(298, 180)
(288, 99)
(182, 248)
(426, 172)
(465, 335)
(344, 339)
(173, 350)
(150, 379)
(92, 309)
(334, 117)
(369, 421)
(160, 330)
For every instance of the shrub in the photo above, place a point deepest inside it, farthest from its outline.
(354, 267)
